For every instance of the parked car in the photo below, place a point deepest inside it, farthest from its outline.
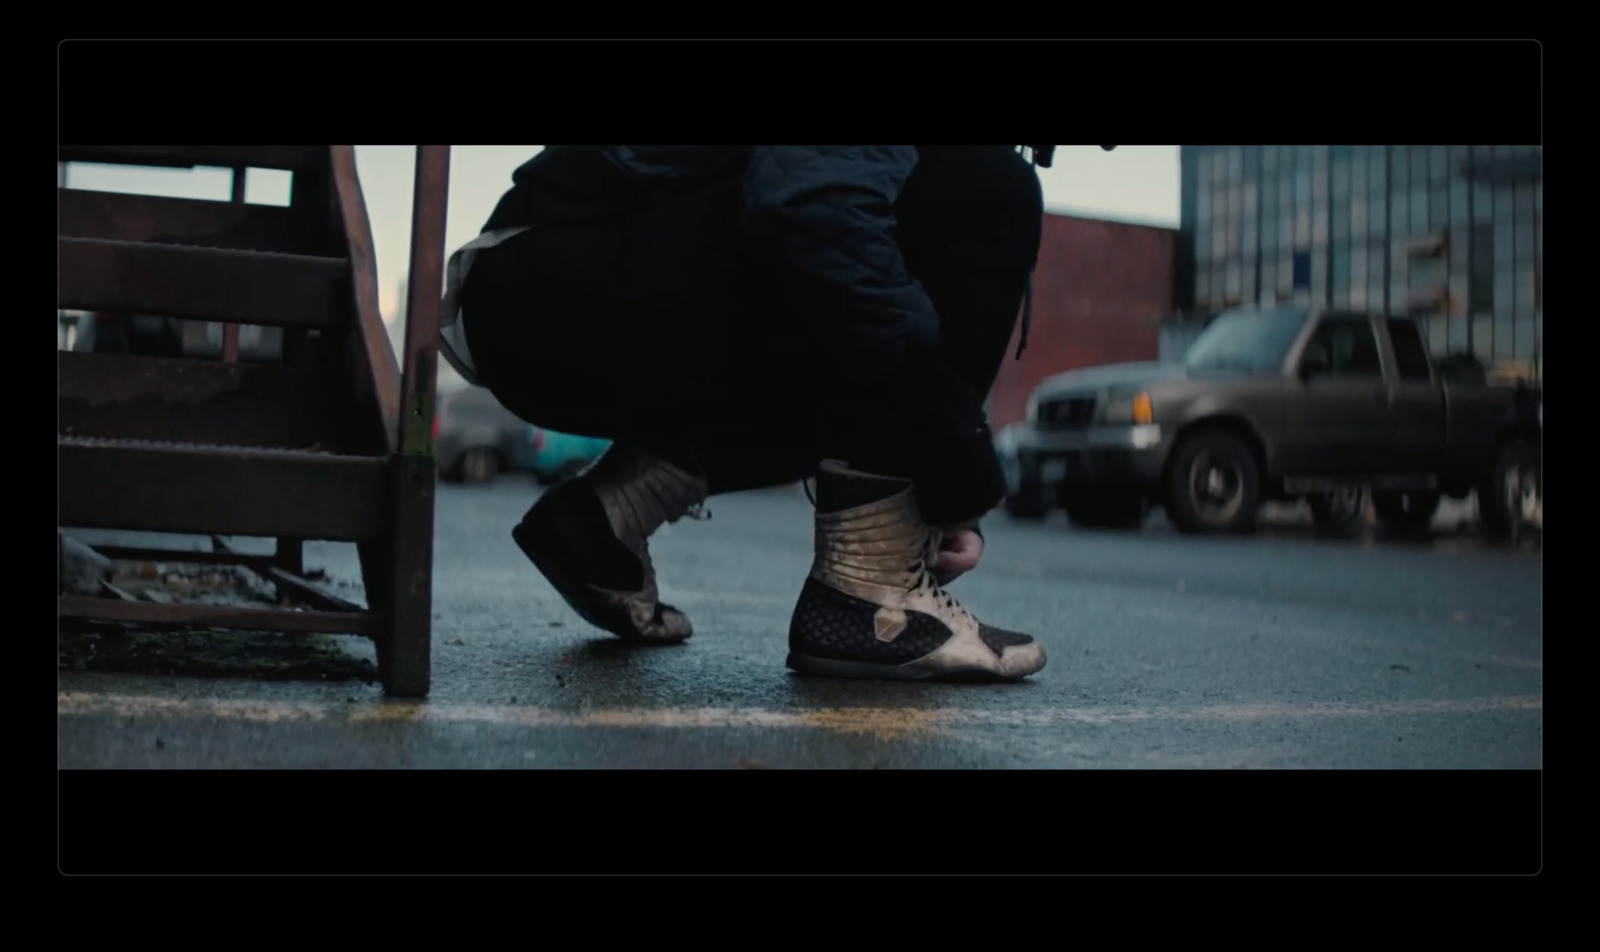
(1281, 403)
(475, 438)
(558, 457)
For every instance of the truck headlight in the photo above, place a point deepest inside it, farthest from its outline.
(1133, 410)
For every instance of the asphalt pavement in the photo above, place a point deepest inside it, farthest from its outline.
(1277, 651)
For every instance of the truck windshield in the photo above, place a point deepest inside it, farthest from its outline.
(1249, 341)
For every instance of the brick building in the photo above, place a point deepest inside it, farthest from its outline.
(1100, 293)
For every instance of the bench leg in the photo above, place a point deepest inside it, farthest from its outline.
(398, 574)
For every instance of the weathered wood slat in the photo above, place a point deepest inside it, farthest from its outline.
(287, 157)
(214, 616)
(177, 400)
(114, 216)
(202, 284)
(231, 491)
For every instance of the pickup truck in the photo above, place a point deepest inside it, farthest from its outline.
(1279, 403)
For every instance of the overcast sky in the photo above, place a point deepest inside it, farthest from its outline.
(1133, 183)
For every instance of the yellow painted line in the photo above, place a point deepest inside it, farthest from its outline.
(883, 723)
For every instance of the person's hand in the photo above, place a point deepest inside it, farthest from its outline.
(959, 552)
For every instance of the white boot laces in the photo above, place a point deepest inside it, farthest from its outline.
(921, 578)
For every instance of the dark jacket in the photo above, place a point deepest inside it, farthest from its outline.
(822, 219)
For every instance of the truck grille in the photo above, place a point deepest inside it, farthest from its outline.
(1067, 414)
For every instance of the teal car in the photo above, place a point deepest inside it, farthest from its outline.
(555, 457)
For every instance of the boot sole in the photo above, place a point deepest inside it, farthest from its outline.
(589, 606)
(867, 671)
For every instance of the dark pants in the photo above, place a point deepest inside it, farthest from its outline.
(656, 332)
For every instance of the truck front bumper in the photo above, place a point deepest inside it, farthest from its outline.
(1102, 457)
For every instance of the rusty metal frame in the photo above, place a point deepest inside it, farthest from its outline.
(366, 476)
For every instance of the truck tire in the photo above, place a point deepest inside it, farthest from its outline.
(479, 466)
(1105, 509)
(1339, 512)
(1028, 502)
(1404, 512)
(1214, 485)
(1503, 499)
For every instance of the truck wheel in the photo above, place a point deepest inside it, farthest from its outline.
(1105, 509)
(1513, 496)
(1028, 502)
(1215, 484)
(1339, 512)
(1408, 513)
(479, 466)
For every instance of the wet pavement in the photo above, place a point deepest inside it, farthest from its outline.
(1282, 650)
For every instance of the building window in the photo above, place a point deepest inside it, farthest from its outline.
(1482, 203)
(1460, 203)
(1523, 296)
(1439, 163)
(1523, 245)
(1460, 241)
(1419, 208)
(1439, 336)
(1419, 164)
(1482, 342)
(1504, 203)
(1458, 294)
(1358, 216)
(1302, 270)
(1504, 288)
(1339, 270)
(1503, 241)
(1522, 336)
(1480, 290)
(1439, 207)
